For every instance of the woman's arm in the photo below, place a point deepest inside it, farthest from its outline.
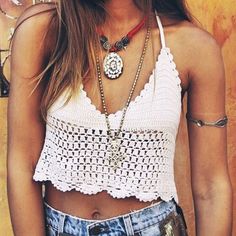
(208, 145)
(26, 128)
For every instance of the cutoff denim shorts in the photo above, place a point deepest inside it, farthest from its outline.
(144, 222)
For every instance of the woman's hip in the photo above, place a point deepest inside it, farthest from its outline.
(160, 218)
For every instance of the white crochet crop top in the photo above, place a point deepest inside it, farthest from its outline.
(75, 154)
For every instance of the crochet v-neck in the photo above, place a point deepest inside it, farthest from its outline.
(142, 91)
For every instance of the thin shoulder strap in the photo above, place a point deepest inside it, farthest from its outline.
(162, 35)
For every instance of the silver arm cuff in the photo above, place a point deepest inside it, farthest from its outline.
(219, 123)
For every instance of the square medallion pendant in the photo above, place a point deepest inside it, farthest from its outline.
(116, 155)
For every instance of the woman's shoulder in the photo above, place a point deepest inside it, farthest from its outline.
(196, 51)
(201, 50)
(37, 15)
(190, 35)
(196, 37)
(36, 24)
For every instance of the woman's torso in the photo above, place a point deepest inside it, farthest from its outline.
(102, 205)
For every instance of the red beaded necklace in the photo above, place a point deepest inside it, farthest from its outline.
(121, 44)
(113, 63)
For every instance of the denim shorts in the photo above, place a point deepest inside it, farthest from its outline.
(144, 222)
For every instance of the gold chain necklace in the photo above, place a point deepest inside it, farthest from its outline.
(116, 155)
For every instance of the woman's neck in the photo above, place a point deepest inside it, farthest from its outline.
(122, 12)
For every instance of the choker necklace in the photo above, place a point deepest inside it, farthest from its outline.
(113, 63)
(116, 156)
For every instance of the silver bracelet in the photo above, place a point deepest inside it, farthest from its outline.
(219, 123)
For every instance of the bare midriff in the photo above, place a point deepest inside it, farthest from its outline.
(98, 206)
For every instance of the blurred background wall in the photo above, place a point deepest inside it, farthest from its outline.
(217, 17)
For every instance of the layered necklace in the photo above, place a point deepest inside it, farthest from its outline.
(115, 154)
(113, 63)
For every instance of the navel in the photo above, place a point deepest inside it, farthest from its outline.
(96, 215)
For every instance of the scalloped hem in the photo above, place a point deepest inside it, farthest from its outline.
(152, 196)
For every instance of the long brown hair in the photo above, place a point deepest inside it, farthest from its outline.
(73, 54)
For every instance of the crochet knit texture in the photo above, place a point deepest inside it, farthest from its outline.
(76, 152)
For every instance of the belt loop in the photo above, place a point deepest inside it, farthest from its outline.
(61, 224)
(128, 225)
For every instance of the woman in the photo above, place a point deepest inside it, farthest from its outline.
(94, 111)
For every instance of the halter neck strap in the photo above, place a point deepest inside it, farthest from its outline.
(162, 35)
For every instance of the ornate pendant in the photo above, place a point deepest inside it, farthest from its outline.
(113, 66)
(116, 155)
